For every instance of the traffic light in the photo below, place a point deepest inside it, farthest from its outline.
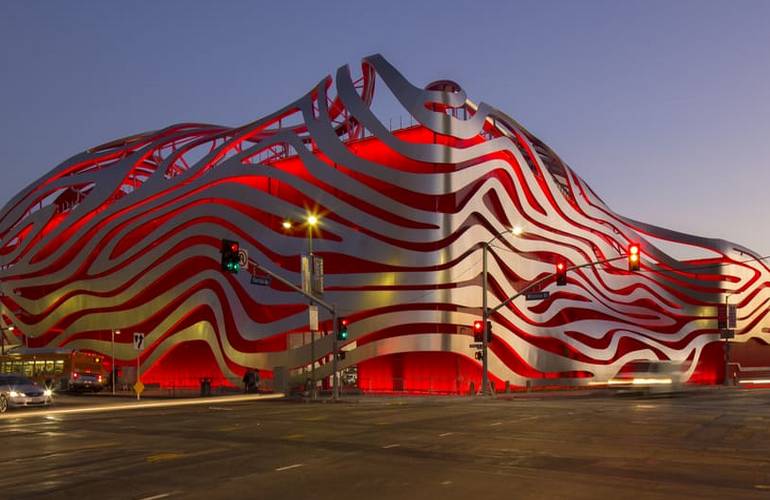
(478, 331)
(634, 255)
(479, 355)
(341, 355)
(561, 274)
(230, 260)
(342, 329)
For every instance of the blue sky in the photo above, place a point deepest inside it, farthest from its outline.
(663, 107)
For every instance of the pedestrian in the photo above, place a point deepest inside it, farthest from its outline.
(249, 380)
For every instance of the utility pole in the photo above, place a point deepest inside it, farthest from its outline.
(484, 316)
(329, 307)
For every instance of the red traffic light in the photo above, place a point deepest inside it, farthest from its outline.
(561, 273)
(478, 326)
(234, 247)
(634, 253)
(344, 322)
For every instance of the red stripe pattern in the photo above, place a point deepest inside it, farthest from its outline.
(126, 236)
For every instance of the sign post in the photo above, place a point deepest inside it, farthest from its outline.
(139, 346)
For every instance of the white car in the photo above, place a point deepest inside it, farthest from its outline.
(16, 391)
(652, 376)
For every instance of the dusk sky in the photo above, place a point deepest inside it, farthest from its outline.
(662, 107)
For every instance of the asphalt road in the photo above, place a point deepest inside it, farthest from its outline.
(714, 444)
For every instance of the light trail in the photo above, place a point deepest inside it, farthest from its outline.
(140, 406)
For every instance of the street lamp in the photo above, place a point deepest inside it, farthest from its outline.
(516, 231)
(4, 329)
(114, 332)
(312, 220)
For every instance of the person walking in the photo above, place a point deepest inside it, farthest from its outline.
(249, 381)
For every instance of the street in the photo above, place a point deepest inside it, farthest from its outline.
(708, 444)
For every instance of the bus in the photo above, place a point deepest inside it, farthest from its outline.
(62, 370)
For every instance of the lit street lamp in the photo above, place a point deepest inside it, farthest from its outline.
(114, 332)
(312, 220)
(516, 231)
(4, 329)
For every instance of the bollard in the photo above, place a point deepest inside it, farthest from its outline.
(472, 389)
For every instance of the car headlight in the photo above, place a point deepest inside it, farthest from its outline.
(15, 394)
(48, 393)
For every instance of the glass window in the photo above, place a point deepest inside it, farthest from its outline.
(39, 367)
(16, 367)
(49, 366)
(59, 367)
(28, 368)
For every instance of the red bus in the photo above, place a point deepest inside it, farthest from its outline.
(61, 370)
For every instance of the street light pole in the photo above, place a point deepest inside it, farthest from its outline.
(312, 220)
(485, 386)
(727, 340)
(484, 316)
(113, 358)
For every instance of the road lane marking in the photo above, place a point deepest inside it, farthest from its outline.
(156, 497)
(394, 445)
(295, 436)
(164, 457)
(445, 434)
(495, 424)
(446, 483)
(292, 466)
(762, 486)
(139, 406)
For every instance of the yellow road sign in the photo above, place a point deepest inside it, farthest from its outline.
(139, 387)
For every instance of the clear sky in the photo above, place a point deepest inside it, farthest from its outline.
(663, 107)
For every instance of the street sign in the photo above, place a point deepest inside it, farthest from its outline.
(312, 269)
(313, 318)
(727, 334)
(243, 258)
(318, 275)
(139, 341)
(732, 315)
(139, 388)
(536, 295)
(727, 315)
(476, 345)
(260, 280)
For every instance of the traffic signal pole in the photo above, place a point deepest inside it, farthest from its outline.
(486, 312)
(546, 278)
(329, 307)
(485, 327)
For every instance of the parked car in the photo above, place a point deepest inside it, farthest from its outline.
(16, 391)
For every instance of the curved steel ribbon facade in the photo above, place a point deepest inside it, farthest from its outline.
(126, 235)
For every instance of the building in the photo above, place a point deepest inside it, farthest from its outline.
(127, 236)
